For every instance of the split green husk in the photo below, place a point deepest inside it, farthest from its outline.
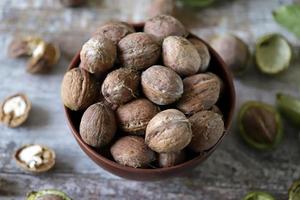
(289, 106)
(258, 196)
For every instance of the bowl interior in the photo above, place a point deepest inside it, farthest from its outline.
(103, 158)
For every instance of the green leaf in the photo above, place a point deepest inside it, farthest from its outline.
(288, 17)
(198, 3)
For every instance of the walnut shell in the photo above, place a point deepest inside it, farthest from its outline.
(171, 159)
(132, 151)
(115, 30)
(121, 85)
(201, 92)
(135, 115)
(168, 131)
(233, 51)
(98, 55)
(203, 53)
(17, 112)
(79, 89)
(162, 26)
(207, 127)
(138, 51)
(159, 7)
(161, 85)
(98, 125)
(46, 157)
(181, 55)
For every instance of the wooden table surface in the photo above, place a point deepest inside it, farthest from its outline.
(234, 168)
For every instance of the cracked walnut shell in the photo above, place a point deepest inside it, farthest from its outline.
(15, 110)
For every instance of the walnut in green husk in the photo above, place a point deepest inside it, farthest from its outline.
(289, 106)
(258, 195)
(47, 195)
(260, 125)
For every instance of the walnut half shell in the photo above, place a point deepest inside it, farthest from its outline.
(35, 158)
(15, 110)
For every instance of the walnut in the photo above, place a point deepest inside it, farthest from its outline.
(135, 115)
(98, 125)
(15, 110)
(168, 131)
(121, 85)
(208, 128)
(138, 51)
(181, 55)
(201, 92)
(132, 151)
(171, 159)
(115, 30)
(161, 85)
(203, 53)
(162, 26)
(79, 89)
(98, 55)
(159, 7)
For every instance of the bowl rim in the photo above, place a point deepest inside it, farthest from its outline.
(201, 157)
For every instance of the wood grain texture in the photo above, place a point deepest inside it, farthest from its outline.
(232, 171)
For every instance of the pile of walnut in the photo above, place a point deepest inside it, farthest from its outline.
(147, 94)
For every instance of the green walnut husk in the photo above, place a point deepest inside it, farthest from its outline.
(47, 194)
(289, 107)
(294, 191)
(273, 54)
(288, 16)
(198, 3)
(258, 196)
(260, 125)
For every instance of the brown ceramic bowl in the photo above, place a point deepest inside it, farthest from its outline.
(103, 158)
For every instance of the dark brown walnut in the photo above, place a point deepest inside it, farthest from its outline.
(168, 131)
(208, 128)
(15, 110)
(162, 26)
(115, 30)
(171, 159)
(161, 85)
(159, 7)
(79, 89)
(134, 116)
(121, 86)
(73, 3)
(203, 53)
(132, 151)
(98, 125)
(98, 55)
(181, 55)
(138, 51)
(201, 92)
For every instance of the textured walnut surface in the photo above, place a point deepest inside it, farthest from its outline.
(228, 174)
